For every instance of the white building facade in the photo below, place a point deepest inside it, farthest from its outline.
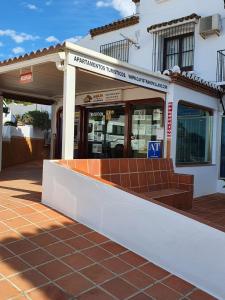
(164, 34)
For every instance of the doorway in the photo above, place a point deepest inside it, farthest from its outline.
(106, 131)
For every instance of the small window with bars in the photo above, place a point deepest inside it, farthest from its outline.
(118, 50)
(174, 47)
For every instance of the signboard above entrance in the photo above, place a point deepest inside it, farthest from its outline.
(117, 72)
(110, 96)
(26, 75)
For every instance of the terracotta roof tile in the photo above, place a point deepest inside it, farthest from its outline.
(174, 21)
(194, 82)
(34, 54)
(129, 21)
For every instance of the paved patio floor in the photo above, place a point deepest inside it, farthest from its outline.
(45, 255)
(211, 210)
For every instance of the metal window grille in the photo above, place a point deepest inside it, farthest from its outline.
(174, 46)
(220, 74)
(118, 50)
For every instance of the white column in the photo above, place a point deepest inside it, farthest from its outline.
(1, 125)
(69, 92)
(53, 131)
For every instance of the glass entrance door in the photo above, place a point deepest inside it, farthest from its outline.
(106, 127)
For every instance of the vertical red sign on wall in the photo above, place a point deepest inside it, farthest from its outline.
(169, 119)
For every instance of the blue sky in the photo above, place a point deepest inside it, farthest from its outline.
(27, 26)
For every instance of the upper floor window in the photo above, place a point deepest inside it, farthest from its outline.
(174, 46)
(179, 51)
(118, 50)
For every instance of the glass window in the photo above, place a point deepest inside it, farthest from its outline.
(179, 51)
(147, 125)
(194, 135)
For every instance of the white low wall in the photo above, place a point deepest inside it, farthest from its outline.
(205, 178)
(181, 245)
(27, 131)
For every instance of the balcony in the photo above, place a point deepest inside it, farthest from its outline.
(118, 50)
(220, 73)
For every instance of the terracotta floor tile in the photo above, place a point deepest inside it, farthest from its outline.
(63, 234)
(95, 294)
(154, 271)
(133, 259)
(37, 257)
(141, 297)
(38, 217)
(55, 269)
(200, 295)
(97, 273)
(116, 265)
(12, 265)
(65, 221)
(17, 222)
(3, 227)
(137, 278)
(96, 237)
(5, 253)
(7, 290)
(113, 247)
(79, 243)
(7, 214)
(43, 239)
(21, 246)
(80, 229)
(178, 284)
(28, 280)
(49, 225)
(59, 249)
(96, 253)
(48, 292)
(68, 284)
(29, 230)
(25, 211)
(162, 292)
(119, 288)
(78, 261)
(9, 237)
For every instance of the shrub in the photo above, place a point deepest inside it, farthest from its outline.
(39, 119)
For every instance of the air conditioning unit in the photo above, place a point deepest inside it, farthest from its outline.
(210, 25)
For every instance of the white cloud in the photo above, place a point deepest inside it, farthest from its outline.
(18, 37)
(125, 7)
(52, 39)
(18, 50)
(31, 6)
(74, 39)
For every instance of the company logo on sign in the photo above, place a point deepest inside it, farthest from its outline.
(154, 149)
(103, 97)
(26, 78)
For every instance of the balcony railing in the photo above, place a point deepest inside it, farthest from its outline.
(220, 74)
(118, 50)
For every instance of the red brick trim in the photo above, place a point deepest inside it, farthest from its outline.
(115, 25)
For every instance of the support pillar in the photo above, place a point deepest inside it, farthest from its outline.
(53, 131)
(69, 94)
(1, 128)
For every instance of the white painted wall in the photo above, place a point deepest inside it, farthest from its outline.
(154, 12)
(179, 244)
(206, 177)
(27, 131)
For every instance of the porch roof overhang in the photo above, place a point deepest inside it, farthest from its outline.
(95, 71)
